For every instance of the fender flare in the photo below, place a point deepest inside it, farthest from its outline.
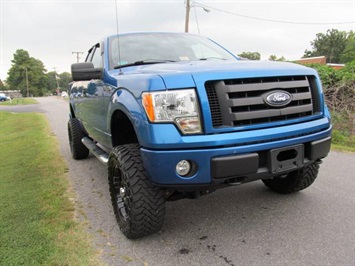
(122, 100)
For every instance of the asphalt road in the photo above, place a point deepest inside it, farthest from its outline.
(244, 225)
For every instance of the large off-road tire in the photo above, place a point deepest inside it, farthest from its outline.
(139, 206)
(75, 133)
(294, 181)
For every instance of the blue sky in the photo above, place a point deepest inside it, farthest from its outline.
(51, 30)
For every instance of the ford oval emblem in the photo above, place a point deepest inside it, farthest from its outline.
(278, 98)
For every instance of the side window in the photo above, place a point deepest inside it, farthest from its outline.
(97, 58)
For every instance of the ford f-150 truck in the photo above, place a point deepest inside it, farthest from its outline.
(176, 116)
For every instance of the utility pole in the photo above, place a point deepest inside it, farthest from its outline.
(77, 55)
(187, 17)
(28, 91)
(56, 77)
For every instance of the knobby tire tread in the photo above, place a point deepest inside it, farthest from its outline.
(76, 134)
(295, 181)
(147, 210)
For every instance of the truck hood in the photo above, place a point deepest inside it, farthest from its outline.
(189, 73)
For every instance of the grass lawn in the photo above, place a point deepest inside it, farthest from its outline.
(342, 141)
(37, 225)
(343, 137)
(19, 101)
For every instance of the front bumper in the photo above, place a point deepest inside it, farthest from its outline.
(246, 163)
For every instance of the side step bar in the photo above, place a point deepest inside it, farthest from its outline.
(96, 150)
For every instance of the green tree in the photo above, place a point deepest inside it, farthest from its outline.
(64, 79)
(37, 79)
(274, 58)
(52, 83)
(250, 55)
(60, 81)
(2, 86)
(331, 44)
(348, 54)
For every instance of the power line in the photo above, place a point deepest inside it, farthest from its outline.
(198, 27)
(273, 20)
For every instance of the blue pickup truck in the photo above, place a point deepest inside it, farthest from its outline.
(177, 116)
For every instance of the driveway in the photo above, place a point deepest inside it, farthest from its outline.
(245, 225)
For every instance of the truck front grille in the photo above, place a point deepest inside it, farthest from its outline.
(240, 102)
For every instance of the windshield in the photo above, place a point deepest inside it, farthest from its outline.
(163, 47)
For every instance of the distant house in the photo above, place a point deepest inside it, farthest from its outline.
(13, 93)
(312, 60)
(322, 60)
(336, 66)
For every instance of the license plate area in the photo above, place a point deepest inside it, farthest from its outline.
(285, 159)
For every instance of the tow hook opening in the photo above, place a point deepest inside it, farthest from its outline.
(287, 155)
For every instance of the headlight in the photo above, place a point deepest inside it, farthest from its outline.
(177, 106)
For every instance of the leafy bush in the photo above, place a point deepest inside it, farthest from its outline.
(328, 75)
(347, 73)
(334, 77)
(339, 93)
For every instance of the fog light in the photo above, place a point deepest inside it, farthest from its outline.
(183, 167)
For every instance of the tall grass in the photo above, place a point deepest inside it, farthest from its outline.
(36, 215)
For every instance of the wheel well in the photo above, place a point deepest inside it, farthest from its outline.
(122, 130)
(72, 111)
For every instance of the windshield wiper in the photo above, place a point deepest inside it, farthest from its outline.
(144, 62)
(207, 58)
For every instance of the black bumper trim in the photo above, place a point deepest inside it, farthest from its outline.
(319, 149)
(236, 165)
(253, 164)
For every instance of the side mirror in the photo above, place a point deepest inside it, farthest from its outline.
(85, 71)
